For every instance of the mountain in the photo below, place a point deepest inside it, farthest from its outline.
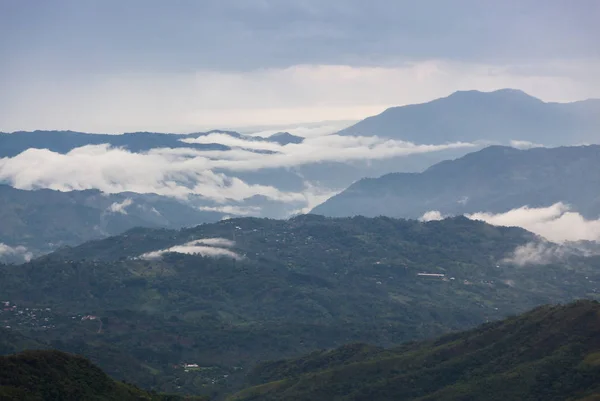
(500, 117)
(231, 294)
(550, 353)
(285, 138)
(495, 179)
(39, 221)
(53, 375)
(11, 144)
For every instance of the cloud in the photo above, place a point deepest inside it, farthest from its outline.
(117, 207)
(524, 144)
(275, 33)
(235, 210)
(556, 223)
(233, 142)
(115, 170)
(537, 253)
(19, 252)
(328, 148)
(432, 215)
(210, 247)
(211, 174)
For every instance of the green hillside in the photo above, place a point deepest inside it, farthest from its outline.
(298, 285)
(54, 375)
(550, 353)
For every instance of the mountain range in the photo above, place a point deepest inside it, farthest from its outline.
(499, 117)
(37, 220)
(494, 180)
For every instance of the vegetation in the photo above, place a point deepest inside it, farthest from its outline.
(53, 375)
(550, 353)
(43, 220)
(300, 285)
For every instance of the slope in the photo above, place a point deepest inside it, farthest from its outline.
(550, 353)
(295, 286)
(53, 375)
(499, 116)
(495, 179)
(43, 220)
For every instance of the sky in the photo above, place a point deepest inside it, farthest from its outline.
(180, 66)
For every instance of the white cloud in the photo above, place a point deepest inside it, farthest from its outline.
(235, 210)
(556, 223)
(233, 142)
(117, 207)
(181, 172)
(211, 247)
(432, 215)
(524, 144)
(328, 148)
(115, 170)
(537, 253)
(17, 251)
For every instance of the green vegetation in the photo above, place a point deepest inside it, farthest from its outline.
(304, 284)
(550, 353)
(43, 220)
(53, 375)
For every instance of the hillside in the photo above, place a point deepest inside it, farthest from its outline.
(550, 353)
(53, 375)
(495, 179)
(267, 289)
(500, 117)
(40, 221)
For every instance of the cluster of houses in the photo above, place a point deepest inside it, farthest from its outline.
(12, 315)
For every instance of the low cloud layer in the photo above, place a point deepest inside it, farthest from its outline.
(17, 252)
(432, 215)
(536, 253)
(560, 228)
(187, 171)
(121, 208)
(556, 223)
(210, 247)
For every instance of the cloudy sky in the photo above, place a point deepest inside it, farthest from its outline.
(126, 65)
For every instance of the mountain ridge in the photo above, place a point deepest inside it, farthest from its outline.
(495, 179)
(549, 353)
(500, 116)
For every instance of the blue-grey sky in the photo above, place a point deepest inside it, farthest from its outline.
(106, 65)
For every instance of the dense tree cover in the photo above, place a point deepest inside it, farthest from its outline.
(57, 376)
(304, 284)
(550, 353)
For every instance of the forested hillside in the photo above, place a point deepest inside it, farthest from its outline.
(53, 375)
(256, 289)
(550, 353)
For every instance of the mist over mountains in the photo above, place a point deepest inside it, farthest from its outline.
(495, 179)
(202, 177)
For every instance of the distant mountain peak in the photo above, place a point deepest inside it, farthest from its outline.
(284, 138)
(508, 94)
